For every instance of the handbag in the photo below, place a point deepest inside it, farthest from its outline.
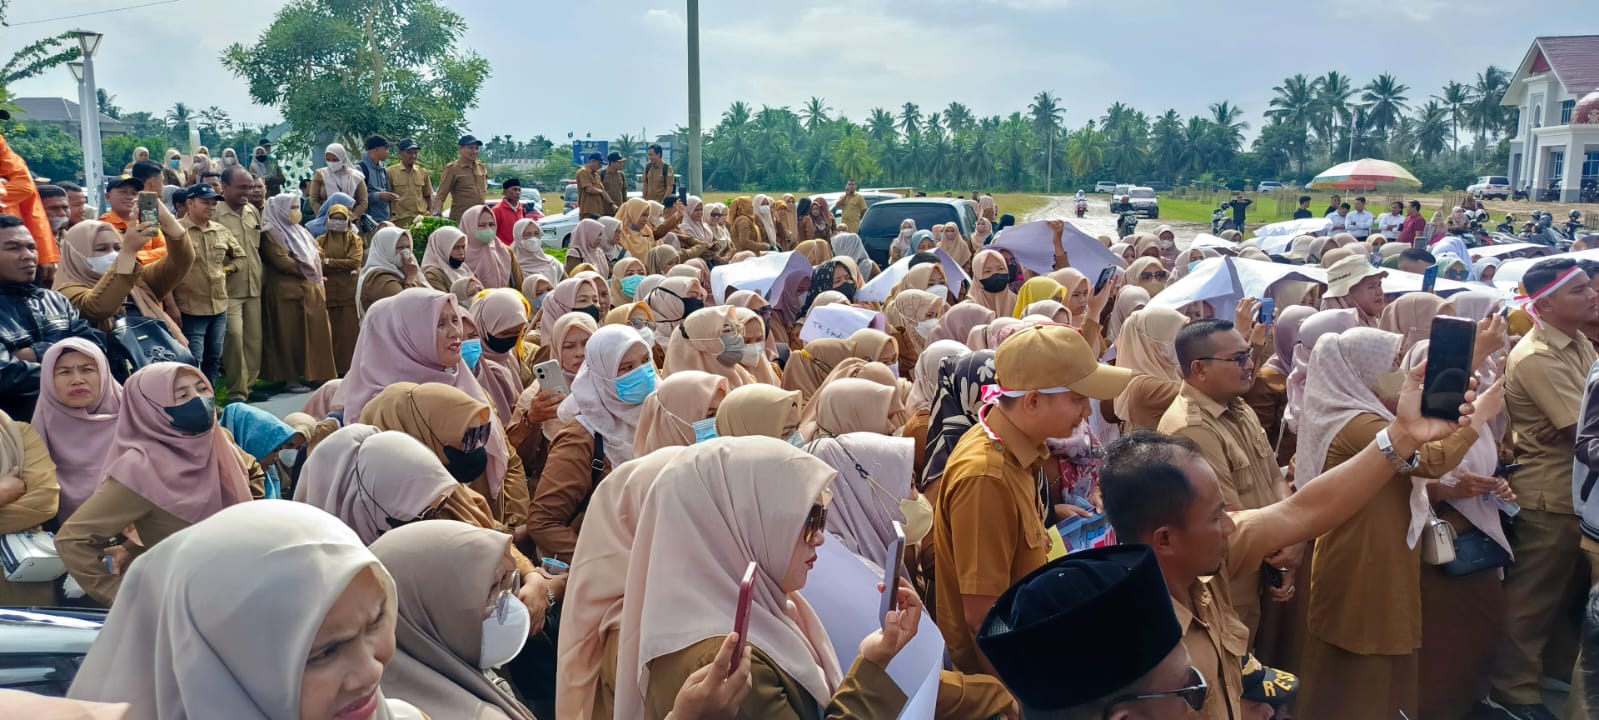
(30, 556)
(137, 341)
(1437, 541)
(1474, 553)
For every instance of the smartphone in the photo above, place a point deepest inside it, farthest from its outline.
(1104, 277)
(147, 207)
(553, 567)
(741, 618)
(1429, 278)
(1448, 367)
(893, 560)
(1268, 311)
(551, 378)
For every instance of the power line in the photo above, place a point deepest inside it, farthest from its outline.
(87, 14)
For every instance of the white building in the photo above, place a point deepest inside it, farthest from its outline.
(1556, 90)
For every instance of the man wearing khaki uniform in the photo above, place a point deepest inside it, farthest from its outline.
(241, 353)
(658, 180)
(412, 183)
(615, 182)
(465, 182)
(203, 295)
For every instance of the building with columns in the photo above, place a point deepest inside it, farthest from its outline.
(1556, 142)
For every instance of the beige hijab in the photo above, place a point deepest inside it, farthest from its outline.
(849, 405)
(366, 477)
(637, 242)
(1147, 345)
(76, 248)
(696, 345)
(1003, 303)
(756, 409)
(671, 411)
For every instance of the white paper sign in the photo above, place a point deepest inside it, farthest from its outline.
(1207, 240)
(839, 321)
(1519, 249)
(1224, 281)
(1399, 281)
(1034, 247)
(1276, 237)
(878, 288)
(843, 592)
(760, 274)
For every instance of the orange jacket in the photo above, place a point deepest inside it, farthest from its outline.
(22, 199)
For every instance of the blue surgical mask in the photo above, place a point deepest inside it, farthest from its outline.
(797, 440)
(705, 429)
(538, 302)
(633, 387)
(471, 351)
(630, 284)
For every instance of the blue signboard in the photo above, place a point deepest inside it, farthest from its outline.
(582, 148)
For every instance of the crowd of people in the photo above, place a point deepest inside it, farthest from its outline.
(632, 482)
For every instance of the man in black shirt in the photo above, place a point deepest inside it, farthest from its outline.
(32, 318)
(1333, 207)
(1238, 204)
(1304, 208)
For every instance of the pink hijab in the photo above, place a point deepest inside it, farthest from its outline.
(78, 439)
(441, 243)
(190, 476)
(957, 322)
(1003, 303)
(588, 241)
(1325, 322)
(1285, 336)
(398, 344)
(559, 302)
(489, 261)
(500, 374)
(324, 401)
(292, 236)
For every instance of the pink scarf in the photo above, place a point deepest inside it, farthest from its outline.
(78, 439)
(489, 261)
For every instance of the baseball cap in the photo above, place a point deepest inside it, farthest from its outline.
(376, 141)
(468, 140)
(407, 144)
(1268, 685)
(124, 181)
(613, 157)
(1348, 272)
(201, 191)
(593, 157)
(1055, 358)
(265, 141)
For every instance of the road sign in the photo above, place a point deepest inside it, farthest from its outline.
(582, 148)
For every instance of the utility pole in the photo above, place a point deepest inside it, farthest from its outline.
(1049, 172)
(696, 179)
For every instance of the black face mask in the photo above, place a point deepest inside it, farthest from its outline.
(692, 305)
(456, 263)
(1015, 272)
(466, 466)
(195, 416)
(996, 282)
(500, 346)
(847, 290)
(592, 311)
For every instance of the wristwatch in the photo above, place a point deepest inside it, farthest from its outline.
(1402, 465)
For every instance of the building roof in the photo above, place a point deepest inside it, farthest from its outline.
(61, 111)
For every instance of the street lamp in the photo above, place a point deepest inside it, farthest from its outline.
(89, 113)
(696, 178)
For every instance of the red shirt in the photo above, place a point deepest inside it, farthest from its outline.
(1414, 226)
(505, 216)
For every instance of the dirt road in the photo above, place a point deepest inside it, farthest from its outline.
(1099, 220)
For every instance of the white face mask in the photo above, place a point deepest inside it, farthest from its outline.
(230, 160)
(102, 263)
(647, 335)
(335, 165)
(939, 291)
(338, 224)
(925, 328)
(503, 640)
(918, 518)
(753, 354)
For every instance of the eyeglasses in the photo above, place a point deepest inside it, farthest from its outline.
(1194, 694)
(510, 584)
(1244, 359)
(1157, 275)
(815, 522)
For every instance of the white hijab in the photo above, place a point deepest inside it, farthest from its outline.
(347, 179)
(594, 400)
(530, 253)
(382, 257)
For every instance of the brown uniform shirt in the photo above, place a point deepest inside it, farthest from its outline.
(217, 256)
(40, 499)
(556, 513)
(245, 225)
(658, 181)
(854, 208)
(615, 190)
(415, 188)
(1148, 399)
(588, 203)
(988, 527)
(1545, 378)
(464, 185)
(1216, 639)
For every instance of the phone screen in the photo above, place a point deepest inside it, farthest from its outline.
(741, 618)
(1104, 277)
(1429, 278)
(147, 207)
(893, 559)
(1268, 311)
(1448, 370)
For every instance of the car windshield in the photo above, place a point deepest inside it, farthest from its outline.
(884, 220)
(1143, 194)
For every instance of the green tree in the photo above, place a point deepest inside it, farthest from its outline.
(1295, 104)
(910, 119)
(815, 114)
(1229, 129)
(359, 68)
(49, 150)
(853, 157)
(1046, 115)
(34, 59)
(1454, 98)
(1166, 145)
(1086, 151)
(880, 125)
(1385, 100)
(1484, 114)
(958, 118)
(1333, 92)
(107, 103)
(1432, 129)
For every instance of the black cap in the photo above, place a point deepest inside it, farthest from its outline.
(407, 144)
(511, 183)
(265, 141)
(201, 192)
(594, 157)
(143, 170)
(1112, 597)
(376, 141)
(469, 140)
(124, 181)
(1268, 685)
(613, 157)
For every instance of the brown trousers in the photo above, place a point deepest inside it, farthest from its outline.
(1540, 588)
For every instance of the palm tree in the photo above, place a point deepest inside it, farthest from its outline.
(1197, 141)
(958, 118)
(1333, 91)
(178, 115)
(880, 125)
(1454, 98)
(1295, 104)
(853, 157)
(1166, 145)
(1484, 114)
(814, 113)
(627, 145)
(910, 119)
(1432, 129)
(1013, 149)
(1115, 116)
(1086, 150)
(1046, 114)
(736, 117)
(1229, 128)
(1385, 100)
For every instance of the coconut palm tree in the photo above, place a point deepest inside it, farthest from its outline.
(1484, 113)
(1432, 129)
(910, 119)
(1454, 98)
(853, 157)
(1385, 100)
(1166, 145)
(814, 113)
(958, 118)
(1333, 92)
(1229, 128)
(1086, 150)
(880, 125)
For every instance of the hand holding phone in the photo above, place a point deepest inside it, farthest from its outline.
(1104, 277)
(893, 560)
(550, 377)
(1448, 376)
(741, 618)
(148, 203)
(1268, 312)
(1429, 278)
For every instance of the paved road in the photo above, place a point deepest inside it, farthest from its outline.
(1100, 221)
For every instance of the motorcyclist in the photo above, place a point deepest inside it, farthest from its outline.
(1081, 197)
(1534, 233)
(1123, 205)
(1507, 227)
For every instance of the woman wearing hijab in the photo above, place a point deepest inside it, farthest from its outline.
(982, 233)
(341, 250)
(951, 242)
(957, 322)
(849, 245)
(873, 491)
(954, 411)
(167, 421)
(743, 500)
(1078, 291)
(390, 267)
(1148, 346)
(1411, 316)
(924, 389)
(414, 336)
(488, 259)
(458, 618)
(76, 416)
(817, 222)
(711, 340)
(501, 317)
(1365, 592)
(101, 275)
(876, 346)
(807, 368)
(535, 422)
(444, 261)
(528, 249)
(673, 300)
(902, 246)
(815, 251)
(658, 261)
(924, 276)
(1149, 274)
(745, 230)
(1269, 395)
(781, 214)
(912, 316)
(991, 284)
(681, 412)
(626, 275)
(634, 233)
(375, 480)
(272, 442)
(286, 566)
(694, 233)
(601, 419)
(589, 246)
(172, 172)
(1035, 289)
(847, 405)
(571, 295)
(761, 409)
(1319, 324)
(30, 482)
(294, 313)
(1129, 299)
(340, 176)
(318, 223)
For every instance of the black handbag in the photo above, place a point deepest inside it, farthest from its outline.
(137, 341)
(1474, 553)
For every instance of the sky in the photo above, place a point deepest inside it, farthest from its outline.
(628, 68)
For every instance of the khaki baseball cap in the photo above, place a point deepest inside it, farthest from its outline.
(1055, 357)
(1345, 274)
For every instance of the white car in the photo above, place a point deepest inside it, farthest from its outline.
(1490, 186)
(558, 229)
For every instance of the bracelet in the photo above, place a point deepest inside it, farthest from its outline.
(549, 596)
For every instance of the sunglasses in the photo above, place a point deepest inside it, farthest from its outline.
(1194, 694)
(507, 588)
(1157, 275)
(475, 438)
(815, 522)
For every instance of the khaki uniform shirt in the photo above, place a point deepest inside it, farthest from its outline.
(615, 189)
(589, 203)
(415, 188)
(217, 256)
(245, 226)
(988, 528)
(1545, 378)
(464, 185)
(854, 208)
(658, 182)
(1215, 637)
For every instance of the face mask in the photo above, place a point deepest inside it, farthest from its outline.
(797, 440)
(692, 305)
(592, 311)
(261, 156)
(466, 466)
(918, 518)
(174, 163)
(906, 234)
(230, 161)
(499, 345)
(485, 236)
(57, 223)
(195, 416)
(454, 263)
(633, 387)
(288, 457)
(295, 216)
(753, 354)
(538, 302)
(102, 263)
(893, 367)
(647, 335)
(939, 291)
(502, 640)
(996, 282)
(705, 429)
(847, 290)
(1015, 272)
(732, 349)
(338, 224)
(630, 284)
(925, 328)
(335, 165)
(471, 352)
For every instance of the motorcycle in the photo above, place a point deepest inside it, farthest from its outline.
(1519, 194)
(1082, 208)
(1572, 225)
(1127, 223)
(1549, 195)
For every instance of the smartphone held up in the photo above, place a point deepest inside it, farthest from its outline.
(1449, 370)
